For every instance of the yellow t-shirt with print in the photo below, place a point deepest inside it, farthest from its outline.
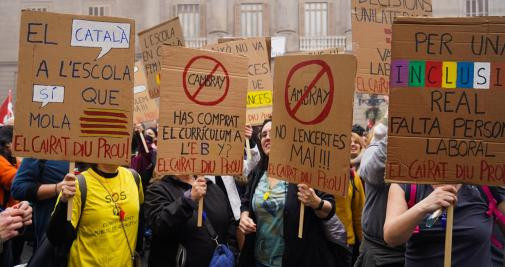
(100, 238)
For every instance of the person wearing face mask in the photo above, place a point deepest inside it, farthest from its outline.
(270, 215)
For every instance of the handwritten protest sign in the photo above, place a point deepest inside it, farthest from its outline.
(371, 38)
(259, 96)
(145, 108)
(202, 112)
(151, 40)
(328, 51)
(311, 125)
(446, 116)
(74, 95)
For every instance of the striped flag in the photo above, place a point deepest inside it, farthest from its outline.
(6, 109)
(104, 122)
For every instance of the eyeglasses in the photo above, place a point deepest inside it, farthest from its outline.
(263, 134)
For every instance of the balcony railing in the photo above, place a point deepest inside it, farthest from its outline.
(195, 42)
(308, 43)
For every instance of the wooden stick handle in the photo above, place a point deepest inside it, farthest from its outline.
(448, 236)
(200, 212)
(70, 202)
(248, 149)
(143, 141)
(300, 224)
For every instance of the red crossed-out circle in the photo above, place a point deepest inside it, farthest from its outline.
(192, 97)
(326, 110)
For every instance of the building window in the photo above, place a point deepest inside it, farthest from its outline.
(251, 20)
(477, 8)
(42, 9)
(99, 10)
(189, 15)
(316, 19)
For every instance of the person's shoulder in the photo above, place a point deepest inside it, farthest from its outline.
(61, 165)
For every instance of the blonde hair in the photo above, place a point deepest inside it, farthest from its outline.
(359, 140)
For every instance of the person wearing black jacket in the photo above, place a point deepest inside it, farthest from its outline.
(171, 211)
(270, 219)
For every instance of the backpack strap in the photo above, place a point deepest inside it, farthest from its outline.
(410, 196)
(84, 191)
(492, 204)
(136, 176)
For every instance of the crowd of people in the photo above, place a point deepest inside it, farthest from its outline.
(121, 214)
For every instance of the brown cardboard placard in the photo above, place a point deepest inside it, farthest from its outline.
(446, 117)
(259, 96)
(74, 91)
(311, 126)
(202, 112)
(151, 40)
(144, 107)
(371, 39)
(328, 51)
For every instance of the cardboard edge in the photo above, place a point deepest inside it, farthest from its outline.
(166, 50)
(158, 25)
(79, 16)
(449, 20)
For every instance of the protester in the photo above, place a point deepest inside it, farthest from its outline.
(144, 163)
(153, 133)
(357, 148)
(350, 208)
(103, 232)
(374, 251)
(12, 222)
(472, 229)
(171, 212)
(8, 167)
(39, 182)
(228, 184)
(270, 216)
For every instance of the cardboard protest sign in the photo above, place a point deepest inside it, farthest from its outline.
(259, 95)
(74, 94)
(328, 51)
(446, 116)
(151, 40)
(371, 39)
(312, 121)
(145, 108)
(202, 112)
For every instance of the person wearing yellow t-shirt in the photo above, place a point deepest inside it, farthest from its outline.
(350, 208)
(105, 232)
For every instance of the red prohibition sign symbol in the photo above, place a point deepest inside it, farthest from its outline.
(325, 69)
(193, 96)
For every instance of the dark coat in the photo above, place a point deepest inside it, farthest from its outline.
(173, 218)
(312, 250)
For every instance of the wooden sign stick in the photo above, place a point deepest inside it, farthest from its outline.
(70, 201)
(300, 224)
(200, 212)
(248, 149)
(448, 236)
(143, 141)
